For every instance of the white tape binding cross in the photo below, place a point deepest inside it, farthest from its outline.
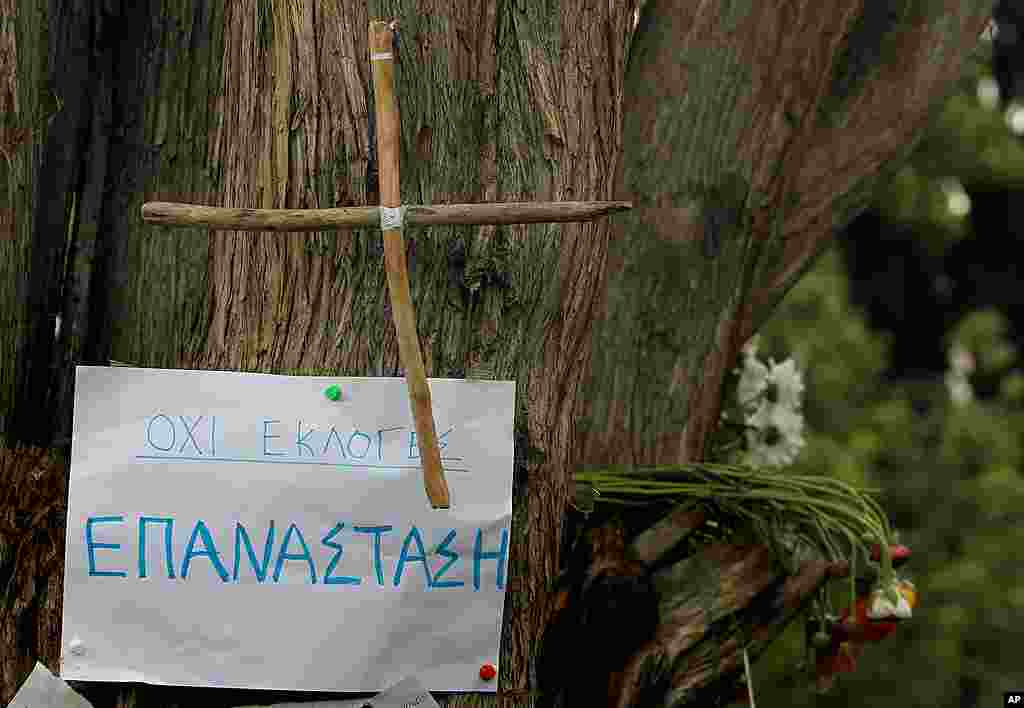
(380, 56)
(391, 217)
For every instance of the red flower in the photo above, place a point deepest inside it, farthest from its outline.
(488, 672)
(848, 637)
(859, 628)
(839, 658)
(899, 553)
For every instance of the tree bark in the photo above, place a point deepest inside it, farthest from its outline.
(744, 132)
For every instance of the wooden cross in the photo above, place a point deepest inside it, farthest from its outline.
(391, 217)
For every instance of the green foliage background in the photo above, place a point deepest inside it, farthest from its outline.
(951, 475)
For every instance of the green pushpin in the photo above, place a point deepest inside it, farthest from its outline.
(333, 392)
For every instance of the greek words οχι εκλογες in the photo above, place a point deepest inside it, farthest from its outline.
(195, 437)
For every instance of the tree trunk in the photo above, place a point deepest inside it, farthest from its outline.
(744, 132)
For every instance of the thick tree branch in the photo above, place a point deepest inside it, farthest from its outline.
(752, 131)
(666, 637)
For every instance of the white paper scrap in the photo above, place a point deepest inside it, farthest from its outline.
(244, 530)
(44, 690)
(407, 693)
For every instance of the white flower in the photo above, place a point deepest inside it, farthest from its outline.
(786, 384)
(777, 436)
(753, 380)
(893, 604)
(770, 396)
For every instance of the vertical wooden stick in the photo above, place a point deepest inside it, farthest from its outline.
(383, 65)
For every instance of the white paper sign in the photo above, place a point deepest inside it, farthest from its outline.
(44, 690)
(242, 530)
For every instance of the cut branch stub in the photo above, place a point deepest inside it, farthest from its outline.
(656, 541)
(687, 625)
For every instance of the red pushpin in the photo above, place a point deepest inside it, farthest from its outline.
(488, 672)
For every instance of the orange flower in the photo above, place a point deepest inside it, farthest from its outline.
(907, 590)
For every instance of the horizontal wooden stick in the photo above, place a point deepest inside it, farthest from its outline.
(197, 215)
(510, 212)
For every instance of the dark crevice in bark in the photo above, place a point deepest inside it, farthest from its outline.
(59, 176)
(126, 172)
(862, 49)
(90, 170)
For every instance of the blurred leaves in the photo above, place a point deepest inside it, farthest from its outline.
(969, 145)
(985, 334)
